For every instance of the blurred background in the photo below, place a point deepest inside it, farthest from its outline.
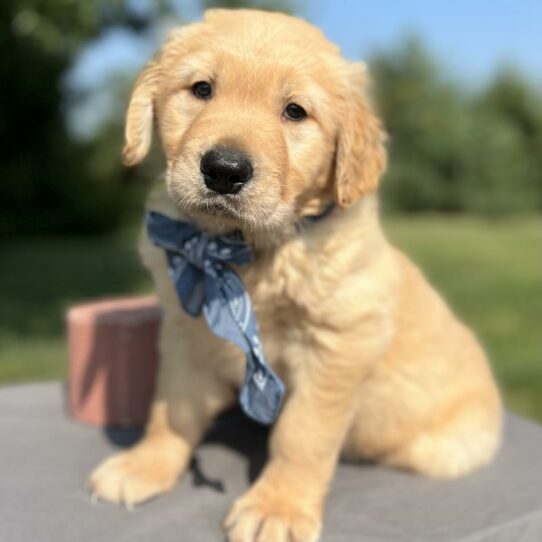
(459, 85)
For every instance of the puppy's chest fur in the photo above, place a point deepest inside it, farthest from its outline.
(285, 290)
(307, 293)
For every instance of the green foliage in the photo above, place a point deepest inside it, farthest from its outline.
(509, 116)
(499, 174)
(453, 150)
(49, 185)
(424, 119)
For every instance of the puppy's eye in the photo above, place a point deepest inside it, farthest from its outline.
(202, 90)
(295, 112)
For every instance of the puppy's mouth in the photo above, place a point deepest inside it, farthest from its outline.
(220, 206)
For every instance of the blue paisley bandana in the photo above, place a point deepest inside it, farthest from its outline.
(198, 266)
(203, 280)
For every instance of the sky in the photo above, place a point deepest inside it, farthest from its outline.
(471, 38)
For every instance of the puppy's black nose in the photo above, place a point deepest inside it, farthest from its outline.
(225, 170)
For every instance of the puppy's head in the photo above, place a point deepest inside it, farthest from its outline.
(260, 118)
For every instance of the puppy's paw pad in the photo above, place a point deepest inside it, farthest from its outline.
(254, 520)
(131, 477)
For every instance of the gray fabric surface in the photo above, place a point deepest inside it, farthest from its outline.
(45, 458)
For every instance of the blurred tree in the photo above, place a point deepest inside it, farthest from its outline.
(425, 118)
(509, 112)
(48, 187)
(499, 172)
(451, 150)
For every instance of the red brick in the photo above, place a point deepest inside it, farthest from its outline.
(113, 360)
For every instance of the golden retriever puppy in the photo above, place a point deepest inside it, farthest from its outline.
(374, 363)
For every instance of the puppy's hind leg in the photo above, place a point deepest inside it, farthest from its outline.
(465, 440)
(187, 400)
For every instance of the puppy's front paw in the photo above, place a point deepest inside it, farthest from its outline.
(134, 476)
(260, 517)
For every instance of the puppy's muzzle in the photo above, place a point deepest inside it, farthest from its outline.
(225, 171)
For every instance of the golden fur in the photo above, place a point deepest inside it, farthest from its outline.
(376, 366)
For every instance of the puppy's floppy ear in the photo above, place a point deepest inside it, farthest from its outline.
(139, 117)
(361, 153)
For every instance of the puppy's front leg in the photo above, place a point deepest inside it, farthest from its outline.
(188, 397)
(286, 503)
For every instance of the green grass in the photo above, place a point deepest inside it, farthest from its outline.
(490, 271)
(40, 278)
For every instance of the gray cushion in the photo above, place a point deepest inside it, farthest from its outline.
(45, 458)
